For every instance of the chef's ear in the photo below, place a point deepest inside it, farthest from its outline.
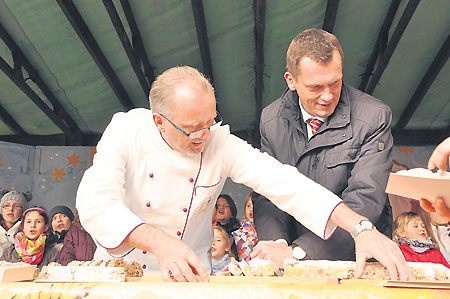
(157, 118)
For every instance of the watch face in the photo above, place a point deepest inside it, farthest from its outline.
(366, 224)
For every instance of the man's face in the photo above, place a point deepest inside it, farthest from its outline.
(318, 85)
(190, 111)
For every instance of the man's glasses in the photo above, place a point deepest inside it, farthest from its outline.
(197, 133)
(15, 207)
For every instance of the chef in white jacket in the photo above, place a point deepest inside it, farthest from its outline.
(151, 190)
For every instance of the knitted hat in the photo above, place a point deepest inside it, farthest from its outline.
(13, 195)
(61, 210)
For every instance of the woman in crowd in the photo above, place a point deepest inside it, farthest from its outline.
(30, 243)
(226, 212)
(62, 219)
(12, 207)
(78, 245)
(414, 242)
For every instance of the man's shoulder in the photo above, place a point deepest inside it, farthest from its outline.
(363, 101)
(273, 110)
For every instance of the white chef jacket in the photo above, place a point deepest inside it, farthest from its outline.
(137, 178)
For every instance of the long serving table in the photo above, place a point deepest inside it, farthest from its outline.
(218, 287)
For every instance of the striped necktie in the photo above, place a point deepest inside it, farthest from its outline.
(315, 124)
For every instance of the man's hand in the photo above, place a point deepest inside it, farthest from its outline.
(177, 261)
(439, 157)
(275, 252)
(373, 244)
(439, 207)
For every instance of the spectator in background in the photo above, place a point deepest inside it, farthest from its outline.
(31, 243)
(62, 219)
(414, 242)
(221, 254)
(78, 245)
(438, 228)
(245, 237)
(226, 213)
(12, 207)
(439, 159)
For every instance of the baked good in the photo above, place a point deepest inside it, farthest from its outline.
(97, 270)
(346, 270)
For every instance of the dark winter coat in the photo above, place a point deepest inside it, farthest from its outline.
(78, 246)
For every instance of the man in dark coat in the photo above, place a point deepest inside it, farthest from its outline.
(347, 148)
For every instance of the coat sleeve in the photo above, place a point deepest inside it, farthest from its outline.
(282, 184)
(101, 194)
(270, 222)
(68, 250)
(365, 193)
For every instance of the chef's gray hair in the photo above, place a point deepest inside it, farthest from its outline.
(161, 93)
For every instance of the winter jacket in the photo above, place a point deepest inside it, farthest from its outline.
(7, 236)
(78, 246)
(50, 255)
(350, 155)
(429, 256)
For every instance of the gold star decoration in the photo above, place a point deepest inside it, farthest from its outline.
(73, 160)
(1, 163)
(58, 174)
(406, 150)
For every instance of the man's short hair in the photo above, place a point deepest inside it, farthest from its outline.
(313, 43)
(161, 93)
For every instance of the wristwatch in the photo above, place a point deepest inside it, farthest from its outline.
(298, 253)
(362, 226)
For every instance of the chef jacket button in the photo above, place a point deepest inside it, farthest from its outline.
(191, 180)
(151, 175)
(148, 205)
(343, 116)
(185, 210)
(178, 233)
(144, 266)
(144, 252)
(343, 135)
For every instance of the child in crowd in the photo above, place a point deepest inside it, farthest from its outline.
(225, 216)
(30, 243)
(414, 242)
(220, 250)
(61, 219)
(245, 237)
(78, 245)
(12, 207)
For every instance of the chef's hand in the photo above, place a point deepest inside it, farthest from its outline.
(373, 244)
(439, 207)
(270, 250)
(177, 261)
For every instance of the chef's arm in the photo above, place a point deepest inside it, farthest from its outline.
(177, 261)
(371, 244)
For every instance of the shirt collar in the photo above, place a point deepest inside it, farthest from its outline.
(307, 116)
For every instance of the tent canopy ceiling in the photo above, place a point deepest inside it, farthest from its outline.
(67, 66)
